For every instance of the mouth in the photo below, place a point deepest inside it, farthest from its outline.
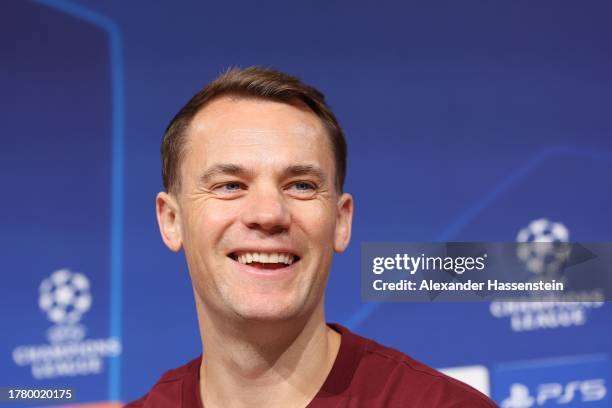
(265, 260)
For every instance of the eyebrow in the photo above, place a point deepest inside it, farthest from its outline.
(222, 169)
(306, 170)
(237, 170)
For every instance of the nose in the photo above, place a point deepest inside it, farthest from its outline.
(266, 210)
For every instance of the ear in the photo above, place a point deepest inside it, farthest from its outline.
(169, 220)
(344, 222)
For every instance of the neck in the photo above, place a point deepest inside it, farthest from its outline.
(264, 363)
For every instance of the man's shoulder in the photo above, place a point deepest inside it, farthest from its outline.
(364, 371)
(170, 387)
(403, 378)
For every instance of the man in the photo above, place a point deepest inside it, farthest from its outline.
(253, 167)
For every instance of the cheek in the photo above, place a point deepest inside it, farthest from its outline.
(318, 223)
(207, 224)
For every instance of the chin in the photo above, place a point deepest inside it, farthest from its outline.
(268, 310)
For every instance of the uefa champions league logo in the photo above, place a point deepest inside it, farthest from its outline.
(65, 296)
(545, 253)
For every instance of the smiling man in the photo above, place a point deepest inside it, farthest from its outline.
(253, 169)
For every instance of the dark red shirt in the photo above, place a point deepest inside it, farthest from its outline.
(364, 374)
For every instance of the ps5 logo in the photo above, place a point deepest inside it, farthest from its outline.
(556, 393)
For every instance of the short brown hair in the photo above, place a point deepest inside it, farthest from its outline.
(255, 82)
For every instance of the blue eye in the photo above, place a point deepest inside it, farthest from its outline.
(232, 186)
(303, 186)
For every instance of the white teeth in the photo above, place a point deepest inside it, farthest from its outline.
(274, 257)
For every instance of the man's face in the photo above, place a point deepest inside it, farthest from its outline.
(258, 214)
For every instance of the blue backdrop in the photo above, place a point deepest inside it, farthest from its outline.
(465, 121)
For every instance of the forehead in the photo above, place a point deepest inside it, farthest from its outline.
(256, 131)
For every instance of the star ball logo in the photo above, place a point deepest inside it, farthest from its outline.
(65, 297)
(551, 250)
